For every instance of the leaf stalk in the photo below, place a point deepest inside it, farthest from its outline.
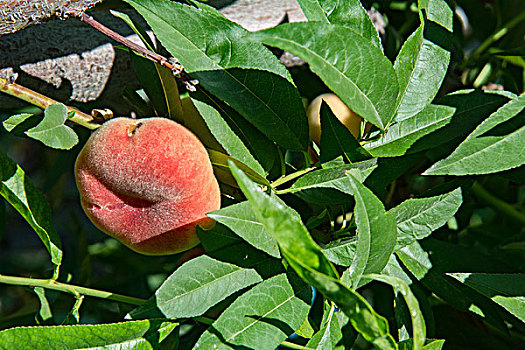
(498, 204)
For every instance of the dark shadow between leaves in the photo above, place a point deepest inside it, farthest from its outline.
(218, 334)
(222, 244)
(282, 326)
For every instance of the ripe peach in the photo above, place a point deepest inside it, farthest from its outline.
(147, 183)
(346, 116)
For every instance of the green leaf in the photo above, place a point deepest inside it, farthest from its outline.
(137, 102)
(222, 244)
(23, 195)
(268, 101)
(208, 42)
(195, 287)
(284, 225)
(420, 66)
(226, 137)
(144, 335)
(483, 154)
(313, 10)
(349, 13)
(241, 220)
(15, 120)
(417, 218)
(403, 134)
(418, 322)
(158, 82)
(428, 267)
(329, 335)
(309, 262)
(352, 67)
(44, 315)
(261, 318)
(337, 140)
(352, 14)
(471, 108)
(137, 29)
(262, 148)
(160, 86)
(508, 290)
(221, 167)
(438, 11)
(372, 326)
(73, 316)
(330, 185)
(341, 252)
(212, 49)
(435, 345)
(376, 233)
(51, 131)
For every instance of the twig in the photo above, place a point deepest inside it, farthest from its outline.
(171, 63)
(11, 88)
(69, 288)
(498, 204)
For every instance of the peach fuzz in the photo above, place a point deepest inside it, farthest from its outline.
(147, 183)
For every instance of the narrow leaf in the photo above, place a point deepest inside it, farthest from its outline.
(329, 335)
(52, 131)
(402, 135)
(158, 82)
(337, 140)
(483, 154)
(418, 322)
(23, 195)
(330, 185)
(420, 66)
(285, 226)
(263, 149)
(15, 120)
(221, 167)
(417, 218)
(313, 11)
(341, 252)
(349, 13)
(222, 244)
(471, 107)
(353, 15)
(351, 66)
(376, 233)
(241, 220)
(226, 137)
(268, 101)
(508, 290)
(261, 318)
(428, 268)
(438, 11)
(144, 335)
(195, 287)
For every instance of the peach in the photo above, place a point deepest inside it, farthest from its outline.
(346, 116)
(147, 183)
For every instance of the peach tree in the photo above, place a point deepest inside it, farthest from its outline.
(407, 233)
